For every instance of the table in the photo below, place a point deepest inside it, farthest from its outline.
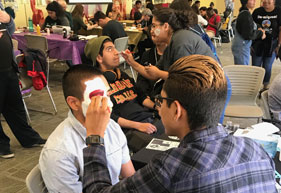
(134, 35)
(142, 157)
(58, 47)
(128, 22)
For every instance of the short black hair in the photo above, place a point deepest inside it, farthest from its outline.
(203, 8)
(150, 6)
(198, 83)
(196, 2)
(73, 78)
(137, 15)
(99, 15)
(56, 7)
(138, 2)
(212, 4)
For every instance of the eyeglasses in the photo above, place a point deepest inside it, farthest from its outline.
(153, 26)
(159, 100)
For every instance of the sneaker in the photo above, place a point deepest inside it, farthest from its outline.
(40, 143)
(6, 154)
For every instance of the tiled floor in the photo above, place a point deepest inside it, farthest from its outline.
(15, 170)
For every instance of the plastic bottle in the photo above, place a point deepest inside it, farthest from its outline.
(30, 25)
(38, 30)
(48, 31)
(64, 32)
(229, 126)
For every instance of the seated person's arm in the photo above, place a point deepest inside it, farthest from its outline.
(59, 172)
(127, 169)
(65, 21)
(143, 127)
(149, 72)
(148, 103)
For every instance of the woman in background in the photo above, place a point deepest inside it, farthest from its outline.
(77, 16)
(55, 16)
(245, 31)
(268, 17)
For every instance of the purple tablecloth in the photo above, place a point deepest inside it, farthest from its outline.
(59, 48)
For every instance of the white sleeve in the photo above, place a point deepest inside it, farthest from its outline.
(202, 21)
(59, 172)
(125, 150)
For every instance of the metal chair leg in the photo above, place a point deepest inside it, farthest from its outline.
(51, 97)
(26, 111)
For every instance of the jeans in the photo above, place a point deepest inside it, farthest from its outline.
(241, 50)
(266, 63)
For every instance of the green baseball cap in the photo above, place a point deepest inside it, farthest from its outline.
(93, 46)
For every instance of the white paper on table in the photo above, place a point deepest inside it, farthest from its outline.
(87, 37)
(161, 145)
(262, 131)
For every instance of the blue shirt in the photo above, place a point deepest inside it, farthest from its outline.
(61, 159)
(209, 160)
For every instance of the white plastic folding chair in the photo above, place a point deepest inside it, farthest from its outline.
(34, 181)
(121, 44)
(229, 27)
(246, 82)
(40, 43)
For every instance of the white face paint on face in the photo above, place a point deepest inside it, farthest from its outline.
(157, 31)
(94, 87)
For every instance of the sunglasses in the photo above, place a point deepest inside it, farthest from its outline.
(159, 100)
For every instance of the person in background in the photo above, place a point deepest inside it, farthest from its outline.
(150, 6)
(212, 5)
(245, 31)
(55, 16)
(197, 4)
(11, 105)
(145, 26)
(111, 28)
(274, 97)
(11, 12)
(61, 160)
(229, 4)
(213, 22)
(145, 86)
(208, 159)
(78, 23)
(113, 11)
(201, 21)
(136, 8)
(66, 13)
(203, 12)
(138, 19)
(189, 2)
(268, 17)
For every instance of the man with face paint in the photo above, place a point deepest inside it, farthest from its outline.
(61, 160)
(128, 107)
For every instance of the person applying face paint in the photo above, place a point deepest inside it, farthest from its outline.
(61, 160)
